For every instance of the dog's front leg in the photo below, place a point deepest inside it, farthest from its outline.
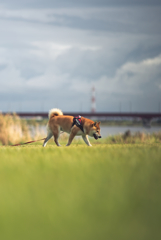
(86, 140)
(71, 136)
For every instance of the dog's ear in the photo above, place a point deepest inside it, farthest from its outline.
(98, 123)
(95, 123)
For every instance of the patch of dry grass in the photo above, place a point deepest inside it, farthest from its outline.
(138, 137)
(13, 129)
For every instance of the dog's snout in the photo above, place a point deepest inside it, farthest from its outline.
(100, 137)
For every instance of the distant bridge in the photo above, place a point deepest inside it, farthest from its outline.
(145, 117)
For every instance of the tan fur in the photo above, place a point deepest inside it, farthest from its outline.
(58, 122)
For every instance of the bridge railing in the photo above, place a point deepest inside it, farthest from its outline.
(96, 114)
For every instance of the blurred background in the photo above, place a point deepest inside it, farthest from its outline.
(86, 56)
(52, 53)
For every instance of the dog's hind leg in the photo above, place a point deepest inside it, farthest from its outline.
(86, 140)
(56, 134)
(47, 138)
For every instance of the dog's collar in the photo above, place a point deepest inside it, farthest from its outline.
(78, 122)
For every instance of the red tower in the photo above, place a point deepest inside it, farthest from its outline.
(93, 100)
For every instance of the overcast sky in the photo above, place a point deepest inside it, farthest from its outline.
(53, 52)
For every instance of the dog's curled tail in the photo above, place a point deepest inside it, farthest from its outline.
(55, 112)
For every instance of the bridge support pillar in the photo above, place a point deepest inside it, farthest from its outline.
(146, 122)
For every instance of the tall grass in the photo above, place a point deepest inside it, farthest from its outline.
(136, 138)
(13, 129)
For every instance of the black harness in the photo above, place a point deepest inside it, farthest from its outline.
(78, 122)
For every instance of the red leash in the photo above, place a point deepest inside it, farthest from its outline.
(27, 142)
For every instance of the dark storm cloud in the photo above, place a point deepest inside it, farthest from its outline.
(76, 3)
(139, 20)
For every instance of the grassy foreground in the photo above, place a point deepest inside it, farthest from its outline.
(80, 193)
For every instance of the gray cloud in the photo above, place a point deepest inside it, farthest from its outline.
(52, 57)
(76, 3)
(145, 20)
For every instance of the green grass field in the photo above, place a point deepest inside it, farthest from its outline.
(80, 193)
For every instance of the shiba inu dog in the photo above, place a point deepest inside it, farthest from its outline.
(79, 126)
